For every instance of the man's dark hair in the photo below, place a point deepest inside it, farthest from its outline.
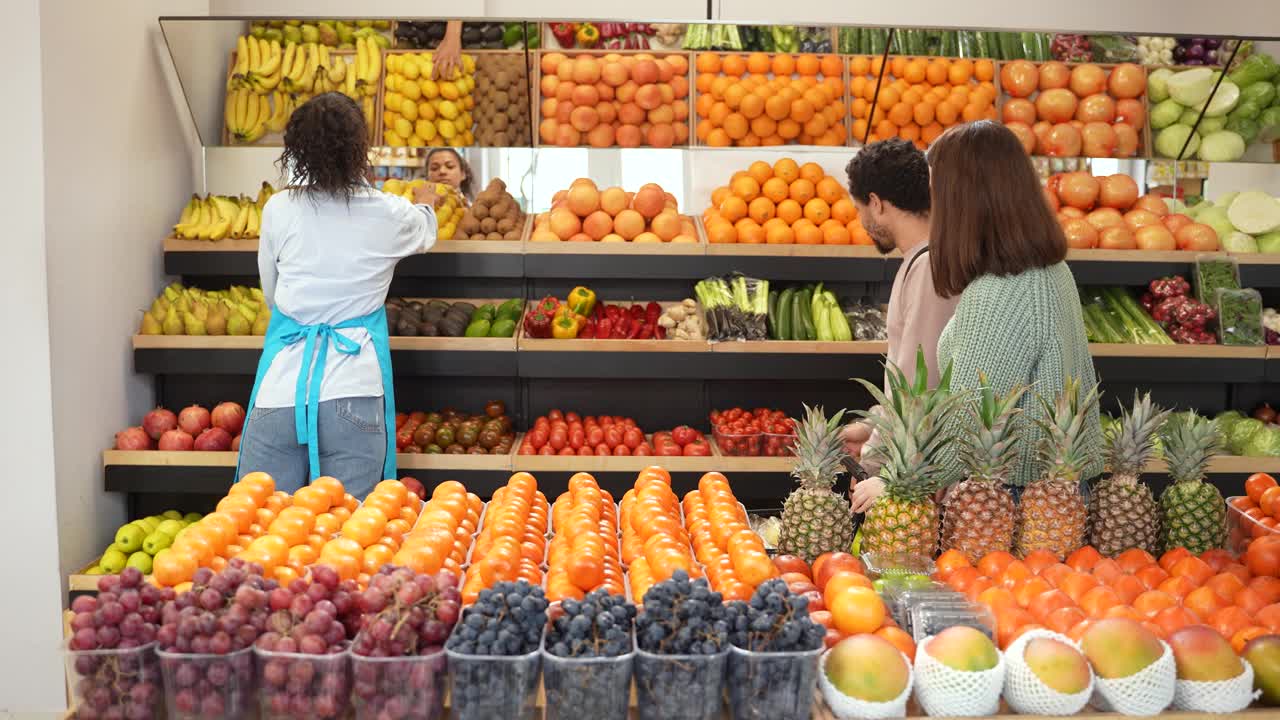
(896, 171)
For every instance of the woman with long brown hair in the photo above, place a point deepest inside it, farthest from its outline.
(995, 243)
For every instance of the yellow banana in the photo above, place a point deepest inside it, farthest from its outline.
(286, 63)
(187, 210)
(349, 84)
(283, 109)
(362, 60)
(367, 107)
(375, 62)
(299, 65)
(212, 217)
(242, 220)
(272, 62)
(337, 72)
(229, 110)
(264, 194)
(242, 111)
(190, 213)
(255, 222)
(250, 115)
(255, 56)
(324, 58)
(313, 63)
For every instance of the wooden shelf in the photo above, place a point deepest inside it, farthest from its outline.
(1216, 352)
(856, 347)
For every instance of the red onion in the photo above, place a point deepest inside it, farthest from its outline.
(1265, 413)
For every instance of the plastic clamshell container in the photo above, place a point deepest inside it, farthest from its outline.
(410, 687)
(493, 687)
(928, 620)
(880, 564)
(595, 687)
(1242, 529)
(1206, 292)
(766, 685)
(901, 604)
(114, 683)
(680, 687)
(296, 685)
(777, 444)
(737, 444)
(208, 687)
(1242, 326)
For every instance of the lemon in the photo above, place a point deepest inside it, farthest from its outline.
(392, 139)
(461, 124)
(425, 130)
(425, 66)
(415, 141)
(410, 70)
(389, 118)
(448, 110)
(426, 110)
(392, 99)
(409, 110)
(393, 82)
(393, 63)
(403, 128)
(447, 131)
(395, 186)
(443, 213)
(429, 89)
(462, 86)
(411, 91)
(449, 91)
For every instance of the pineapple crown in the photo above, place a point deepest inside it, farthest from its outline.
(991, 444)
(1131, 441)
(1064, 451)
(1190, 441)
(820, 452)
(913, 423)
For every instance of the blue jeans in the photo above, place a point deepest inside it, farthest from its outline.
(353, 444)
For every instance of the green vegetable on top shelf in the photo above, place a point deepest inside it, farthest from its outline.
(1240, 317)
(1214, 273)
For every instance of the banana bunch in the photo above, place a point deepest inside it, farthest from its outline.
(368, 65)
(215, 217)
(301, 66)
(259, 65)
(180, 310)
(450, 212)
(246, 114)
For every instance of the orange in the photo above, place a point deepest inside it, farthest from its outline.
(752, 106)
(719, 138)
(817, 211)
(733, 209)
(801, 190)
(835, 233)
(786, 169)
(748, 231)
(719, 194)
(840, 581)
(812, 172)
(171, 567)
(775, 189)
(733, 65)
(806, 65)
(860, 65)
(783, 65)
(314, 499)
(708, 62)
(789, 211)
(829, 190)
(746, 188)
(984, 70)
(779, 234)
(807, 233)
(761, 210)
(857, 610)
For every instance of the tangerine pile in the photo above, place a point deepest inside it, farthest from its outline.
(732, 553)
(1178, 590)
(512, 540)
(585, 213)
(583, 555)
(783, 203)
(609, 100)
(759, 99)
(919, 97)
(444, 532)
(1259, 514)
(654, 542)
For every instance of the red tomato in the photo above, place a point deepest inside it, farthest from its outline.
(555, 415)
(537, 437)
(622, 450)
(577, 438)
(595, 435)
(558, 440)
(602, 449)
(546, 450)
(572, 417)
(633, 437)
(699, 449)
(612, 436)
(643, 449)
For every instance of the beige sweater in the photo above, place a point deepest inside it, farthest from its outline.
(915, 319)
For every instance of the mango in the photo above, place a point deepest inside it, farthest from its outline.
(1203, 655)
(1263, 653)
(1120, 647)
(868, 668)
(964, 648)
(1058, 665)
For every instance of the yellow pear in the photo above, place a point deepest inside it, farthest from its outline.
(150, 325)
(172, 324)
(193, 324)
(216, 324)
(260, 324)
(237, 324)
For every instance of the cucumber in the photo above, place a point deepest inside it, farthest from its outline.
(1011, 46)
(968, 43)
(988, 45)
(950, 44)
(784, 314)
(773, 315)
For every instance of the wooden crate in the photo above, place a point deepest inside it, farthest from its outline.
(536, 98)
(382, 87)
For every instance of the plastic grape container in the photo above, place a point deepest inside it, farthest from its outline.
(680, 687)
(587, 687)
(121, 683)
(208, 687)
(772, 685)
(493, 687)
(296, 685)
(409, 688)
(737, 444)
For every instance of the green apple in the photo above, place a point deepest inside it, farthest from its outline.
(95, 570)
(113, 561)
(171, 515)
(140, 560)
(292, 35)
(170, 527)
(181, 532)
(149, 523)
(156, 542)
(191, 517)
(129, 537)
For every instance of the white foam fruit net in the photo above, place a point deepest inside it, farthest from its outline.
(943, 691)
(847, 708)
(1222, 696)
(1026, 693)
(1146, 692)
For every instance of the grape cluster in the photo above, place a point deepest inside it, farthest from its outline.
(774, 620)
(506, 620)
(682, 617)
(770, 680)
(399, 660)
(206, 639)
(115, 664)
(302, 669)
(598, 626)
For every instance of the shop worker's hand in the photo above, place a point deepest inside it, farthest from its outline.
(855, 434)
(426, 195)
(448, 56)
(865, 493)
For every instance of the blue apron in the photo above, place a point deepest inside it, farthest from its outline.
(283, 331)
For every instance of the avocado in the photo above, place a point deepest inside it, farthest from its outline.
(452, 326)
(465, 307)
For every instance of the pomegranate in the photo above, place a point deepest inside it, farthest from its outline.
(158, 421)
(1097, 139)
(1056, 106)
(134, 438)
(235, 443)
(1080, 234)
(1119, 191)
(1079, 189)
(1088, 79)
(176, 440)
(214, 439)
(1096, 108)
(1054, 75)
(1116, 238)
(194, 420)
(229, 416)
(1062, 140)
(1105, 217)
(414, 485)
(1198, 237)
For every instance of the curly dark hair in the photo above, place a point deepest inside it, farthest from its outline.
(326, 147)
(467, 186)
(896, 171)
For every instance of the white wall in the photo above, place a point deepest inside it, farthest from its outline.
(115, 180)
(31, 623)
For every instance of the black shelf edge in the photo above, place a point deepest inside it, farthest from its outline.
(1272, 371)
(185, 361)
(454, 363)
(1180, 370)
(1110, 272)
(169, 479)
(472, 265)
(221, 264)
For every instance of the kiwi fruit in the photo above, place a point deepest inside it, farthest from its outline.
(494, 236)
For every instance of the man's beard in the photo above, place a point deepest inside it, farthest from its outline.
(881, 236)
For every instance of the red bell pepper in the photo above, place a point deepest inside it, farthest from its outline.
(660, 333)
(652, 312)
(548, 304)
(646, 331)
(537, 324)
(564, 33)
(603, 329)
(636, 311)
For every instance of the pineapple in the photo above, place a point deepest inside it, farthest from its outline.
(978, 514)
(913, 424)
(1052, 515)
(816, 520)
(1194, 514)
(1122, 512)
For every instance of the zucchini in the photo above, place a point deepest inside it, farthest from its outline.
(804, 306)
(967, 44)
(1011, 46)
(989, 45)
(784, 314)
(773, 315)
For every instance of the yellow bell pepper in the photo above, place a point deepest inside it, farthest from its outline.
(565, 326)
(581, 300)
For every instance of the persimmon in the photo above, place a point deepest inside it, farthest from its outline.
(1256, 484)
(1038, 560)
(900, 639)
(1151, 576)
(1242, 637)
(1204, 602)
(1128, 587)
(1054, 573)
(857, 610)
(1084, 559)
(1098, 600)
(1063, 619)
(1171, 557)
(1030, 589)
(993, 564)
(839, 582)
(1230, 620)
(1175, 618)
(1048, 602)
(1077, 585)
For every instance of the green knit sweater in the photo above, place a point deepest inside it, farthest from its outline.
(1020, 329)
